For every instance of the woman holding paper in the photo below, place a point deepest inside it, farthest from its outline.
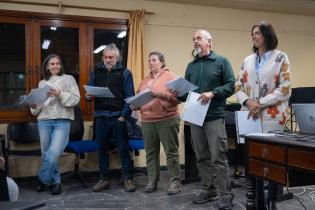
(54, 117)
(160, 124)
(263, 88)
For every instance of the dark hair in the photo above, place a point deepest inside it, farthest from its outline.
(160, 57)
(45, 71)
(268, 33)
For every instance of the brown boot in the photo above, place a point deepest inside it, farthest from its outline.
(101, 185)
(129, 185)
(175, 187)
(151, 187)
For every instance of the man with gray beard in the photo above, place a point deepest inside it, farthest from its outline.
(214, 76)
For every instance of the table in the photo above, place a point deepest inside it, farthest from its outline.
(282, 159)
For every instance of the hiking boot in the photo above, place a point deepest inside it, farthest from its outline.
(101, 185)
(40, 187)
(129, 185)
(205, 196)
(56, 189)
(226, 201)
(151, 187)
(174, 188)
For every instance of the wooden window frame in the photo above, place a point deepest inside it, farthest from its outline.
(33, 22)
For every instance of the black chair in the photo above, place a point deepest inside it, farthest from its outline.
(236, 154)
(77, 145)
(24, 135)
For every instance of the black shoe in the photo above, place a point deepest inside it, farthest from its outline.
(56, 189)
(40, 186)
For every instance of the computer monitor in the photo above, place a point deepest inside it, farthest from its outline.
(305, 117)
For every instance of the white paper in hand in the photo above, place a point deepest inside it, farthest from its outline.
(140, 99)
(181, 86)
(99, 91)
(246, 126)
(37, 96)
(193, 111)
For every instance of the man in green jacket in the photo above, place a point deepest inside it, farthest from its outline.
(214, 76)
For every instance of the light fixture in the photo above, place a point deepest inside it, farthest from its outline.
(99, 49)
(53, 28)
(122, 34)
(46, 44)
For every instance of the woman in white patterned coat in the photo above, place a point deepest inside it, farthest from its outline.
(263, 88)
(263, 84)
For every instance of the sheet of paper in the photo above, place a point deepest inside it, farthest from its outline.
(181, 86)
(246, 126)
(262, 134)
(193, 111)
(99, 91)
(140, 99)
(37, 96)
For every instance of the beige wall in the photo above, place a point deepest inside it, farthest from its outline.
(171, 27)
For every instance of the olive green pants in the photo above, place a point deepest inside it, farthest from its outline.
(210, 146)
(165, 132)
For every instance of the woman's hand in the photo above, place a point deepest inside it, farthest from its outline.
(54, 92)
(89, 97)
(158, 95)
(254, 108)
(173, 92)
(133, 108)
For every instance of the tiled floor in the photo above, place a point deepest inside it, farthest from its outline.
(77, 197)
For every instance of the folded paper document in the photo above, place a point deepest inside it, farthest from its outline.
(245, 126)
(181, 86)
(99, 91)
(37, 96)
(141, 98)
(193, 111)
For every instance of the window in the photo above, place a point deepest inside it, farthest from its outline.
(27, 38)
(12, 63)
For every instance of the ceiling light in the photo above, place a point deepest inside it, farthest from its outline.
(53, 28)
(46, 44)
(122, 34)
(99, 49)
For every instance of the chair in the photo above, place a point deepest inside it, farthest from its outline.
(77, 145)
(236, 151)
(135, 140)
(22, 134)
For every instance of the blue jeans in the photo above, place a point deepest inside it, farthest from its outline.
(109, 129)
(54, 137)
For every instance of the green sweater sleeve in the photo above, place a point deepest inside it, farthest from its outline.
(228, 81)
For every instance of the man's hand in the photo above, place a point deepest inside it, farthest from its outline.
(121, 119)
(254, 108)
(89, 97)
(205, 97)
